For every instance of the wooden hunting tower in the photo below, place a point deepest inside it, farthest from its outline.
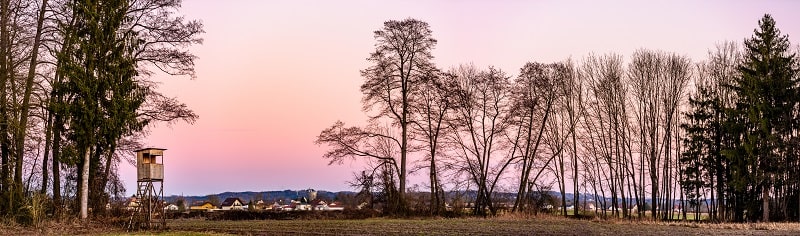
(148, 206)
(148, 165)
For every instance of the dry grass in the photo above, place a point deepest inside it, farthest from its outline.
(69, 227)
(772, 226)
(503, 225)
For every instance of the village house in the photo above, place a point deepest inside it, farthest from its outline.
(275, 206)
(589, 206)
(133, 204)
(300, 206)
(261, 205)
(324, 206)
(232, 203)
(202, 206)
(171, 207)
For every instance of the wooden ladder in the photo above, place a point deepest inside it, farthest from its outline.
(134, 214)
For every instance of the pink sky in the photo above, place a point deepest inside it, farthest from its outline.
(272, 74)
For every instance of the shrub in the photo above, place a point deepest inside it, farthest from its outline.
(32, 213)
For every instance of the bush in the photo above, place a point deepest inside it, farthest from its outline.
(32, 213)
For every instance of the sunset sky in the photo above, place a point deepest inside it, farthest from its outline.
(272, 74)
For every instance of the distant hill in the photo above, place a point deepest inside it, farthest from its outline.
(288, 195)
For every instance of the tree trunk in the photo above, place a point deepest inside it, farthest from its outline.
(404, 142)
(435, 201)
(58, 122)
(47, 144)
(85, 185)
(101, 188)
(96, 189)
(563, 185)
(765, 206)
(109, 162)
(403, 154)
(531, 155)
(23, 116)
(576, 196)
(56, 166)
(5, 174)
(434, 208)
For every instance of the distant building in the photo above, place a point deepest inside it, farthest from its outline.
(275, 206)
(312, 194)
(171, 207)
(232, 203)
(261, 205)
(133, 204)
(203, 206)
(302, 206)
(320, 205)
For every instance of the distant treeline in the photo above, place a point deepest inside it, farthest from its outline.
(654, 125)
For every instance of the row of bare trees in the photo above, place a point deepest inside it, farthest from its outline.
(611, 130)
(77, 97)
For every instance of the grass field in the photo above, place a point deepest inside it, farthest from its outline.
(542, 225)
(475, 226)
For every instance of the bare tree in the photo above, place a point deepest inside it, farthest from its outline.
(534, 95)
(26, 101)
(431, 104)
(678, 71)
(658, 81)
(479, 121)
(402, 57)
(401, 60)
(574, 107)
(561, 132)
(377, 145)
(645, 75)
(606, 121)
(20, 34)
(165, 37)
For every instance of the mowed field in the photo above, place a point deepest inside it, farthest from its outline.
(543, 225)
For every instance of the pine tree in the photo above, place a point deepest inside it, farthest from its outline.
(698, 157)
(99, 78)
(761, 119)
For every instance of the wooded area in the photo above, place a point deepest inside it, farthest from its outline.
(651, 132)
(76, 97)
